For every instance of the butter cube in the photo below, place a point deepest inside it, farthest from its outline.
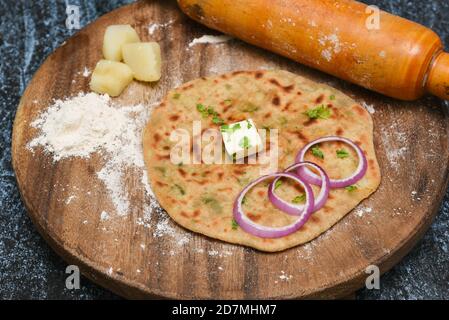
(144, 59)
(110, 77)
(241, 139)
(114, 39)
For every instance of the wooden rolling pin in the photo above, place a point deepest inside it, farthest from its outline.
(400, 58)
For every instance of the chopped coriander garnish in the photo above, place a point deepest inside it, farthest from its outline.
(320, 112)
(283, 121)
(342, 153)
(244, 143)
(227, 102)
(249, 107)
(213, 203)
(211, 110)
(244, 200)
(217, 120)
(229, 129)
(161, 170)
(248, 124)
(299, 199)
(202, 109)
(180, 189)
(332, 97)
(234, 224)
(208, 200)
(351, 188)
(277, 184)
(205, 112)
(176, 96)
(316, 151)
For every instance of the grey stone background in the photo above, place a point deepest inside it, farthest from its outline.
(29, 269)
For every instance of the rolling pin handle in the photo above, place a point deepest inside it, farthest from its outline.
(438, 80)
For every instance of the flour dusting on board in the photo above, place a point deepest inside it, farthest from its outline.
(152, 28)
(395, 143)
(210, 39)
(91, 123)
(362, 210)
(369, 107)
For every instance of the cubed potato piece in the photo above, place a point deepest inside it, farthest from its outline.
(110, 77)
(144, 59)
(115, 37)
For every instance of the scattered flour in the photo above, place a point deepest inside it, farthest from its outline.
(395, 144)
(104, 216)
(332, 45)
(415, 196)
(284, 276)
(326, 54)
(152, 28)
(164, 228)
(69, 199)
(362, 210)
(221, 254)
(333, 40)
(368, 107)
(86, 72)
(210, 39)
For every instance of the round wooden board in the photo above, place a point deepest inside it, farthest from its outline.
(130, 258)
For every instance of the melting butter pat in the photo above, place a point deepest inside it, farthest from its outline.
(110, 77)
(114, 39)
(241, 139)
(144, 59)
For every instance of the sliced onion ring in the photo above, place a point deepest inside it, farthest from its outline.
(273, 232)
(310, 177)
(291, 208)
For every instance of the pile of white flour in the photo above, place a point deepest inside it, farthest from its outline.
(81, 125)
(88, 123)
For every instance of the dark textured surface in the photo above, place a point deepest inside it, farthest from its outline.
(29, 269)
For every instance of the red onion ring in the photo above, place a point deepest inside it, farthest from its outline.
(310, 177)
(289, 207)
(270, 232)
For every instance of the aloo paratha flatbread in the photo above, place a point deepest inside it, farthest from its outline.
(200, 197)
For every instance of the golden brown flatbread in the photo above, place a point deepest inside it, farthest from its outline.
(200, 197)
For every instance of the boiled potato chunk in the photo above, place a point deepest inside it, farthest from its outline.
(115, 37)
(144, 59)
(110, 77)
